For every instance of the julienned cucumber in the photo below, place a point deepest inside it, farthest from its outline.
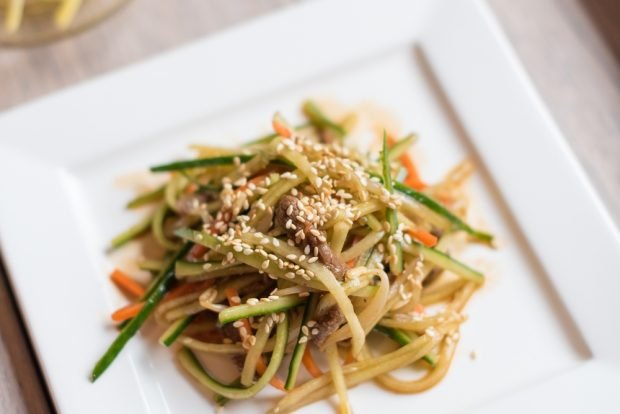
(192, 365)
(202, 162)
(402, 338)
(444, 261)
(442, 211)
(175, 330)
(300, 347)
(234, 313)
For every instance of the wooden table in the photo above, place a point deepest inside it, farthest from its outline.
(570, 48)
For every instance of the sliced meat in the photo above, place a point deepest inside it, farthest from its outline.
(288, 209)
(328, 323)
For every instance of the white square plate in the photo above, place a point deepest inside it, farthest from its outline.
(544, 324)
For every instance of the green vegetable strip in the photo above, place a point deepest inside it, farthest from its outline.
(220, 400)
(189, 361)
(131, 233)
(317, 118)
(437, 208)
(401, 146)
(157, 227)
(300, 348)
(444, 261)
(402, 338)
(234, 313)
(152, 265)
(175, 330)
(442, 211)
(396, 263)
(202, 162)
(155, 294)
(147, 198)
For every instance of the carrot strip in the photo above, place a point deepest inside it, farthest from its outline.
(413, 178)
(310, 365)
(191, 188)
(418, 308)
(349, 357)
(127, 312)
(233, 299)
(281, 126)
(127, 284)
(423, 236)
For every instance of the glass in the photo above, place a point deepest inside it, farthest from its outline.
(32, 22)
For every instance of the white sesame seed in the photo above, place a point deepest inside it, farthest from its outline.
(315, 331)
(291, 256)
(303, 339)
(265, 264)
(206, 266)
(313, 259)
(305, 331)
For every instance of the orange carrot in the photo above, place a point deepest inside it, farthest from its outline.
(349, 357)
(191, 188)
(351, 263)
(233, 299)
(423, 236)
(127, 312)
(309, 363)
(281, 126)
(418, 308)
(127, 284)
(275, 382)
(413, 178)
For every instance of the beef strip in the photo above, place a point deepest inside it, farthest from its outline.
(325, 253)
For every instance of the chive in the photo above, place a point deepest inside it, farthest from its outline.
(190, 363)
(147, 198)
(234, 313)
(131, 233)
(318, 119)
(153, 296)
(402, 338)
(300, 348)
(202, 162)
(175, 330)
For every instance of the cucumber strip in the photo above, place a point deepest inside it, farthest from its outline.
(234, 313)
(444, 212)
(300, 347)
(131, 233)
(318, 119)
(220, 400)
(202, 162)
(154, 295)
(446, 262)
(400, 147)
(189, 361)
(146, 198)
(401, 338)
(151, 265)
(157, 227)
(437, 208)
(172, 333)
(396, 257)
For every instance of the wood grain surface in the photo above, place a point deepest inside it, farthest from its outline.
(570, 48)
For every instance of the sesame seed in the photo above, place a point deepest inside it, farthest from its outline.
(252, 301)
(313, 259)
(311, 323)
(238, 324)
(289, 275)
(303, 339)
(243, 331)
(237, 248)
(207, 266)
(315, 331)
(265, 264)
(274, 297)
(305, 331)
(291, 256)
(248, 252)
